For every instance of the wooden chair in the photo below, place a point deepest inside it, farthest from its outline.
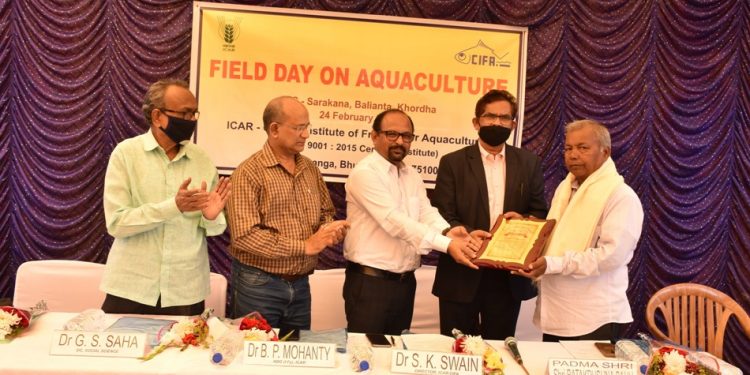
(696, 316)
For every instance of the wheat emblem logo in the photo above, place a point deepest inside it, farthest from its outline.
(229, 32)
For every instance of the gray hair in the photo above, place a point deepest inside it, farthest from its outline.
(600, 131)
(154, 97)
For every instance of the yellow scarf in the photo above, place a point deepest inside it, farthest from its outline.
(577, 217)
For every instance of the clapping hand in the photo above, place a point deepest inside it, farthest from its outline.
(217, 198)
(340, 228)
(188, 200)
(327, 235)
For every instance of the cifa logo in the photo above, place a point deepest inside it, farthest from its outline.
(481, 54)
(229, 32)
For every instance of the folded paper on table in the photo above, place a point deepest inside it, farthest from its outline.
(515, 243)
(428, 342)
(331, 336)
(154, 328)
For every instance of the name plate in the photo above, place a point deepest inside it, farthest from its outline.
(438, 363)
(98, 344)
(591, 367)
(296, 354)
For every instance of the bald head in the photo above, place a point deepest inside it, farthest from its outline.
(278, 109)
(286, 122)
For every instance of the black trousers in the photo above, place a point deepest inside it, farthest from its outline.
(609, 331)
(492, 313)
(378, 305)
(118, 305)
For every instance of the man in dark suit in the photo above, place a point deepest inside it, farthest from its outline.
(474, 186)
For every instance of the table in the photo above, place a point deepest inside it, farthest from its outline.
(29, 354)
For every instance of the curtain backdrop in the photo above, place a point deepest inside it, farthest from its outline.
(669, 78)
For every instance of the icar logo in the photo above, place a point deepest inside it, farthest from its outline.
(229, 32)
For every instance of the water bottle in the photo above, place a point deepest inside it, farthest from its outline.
(360, 353)
(216, 327)
(627, 350)
(227, 346)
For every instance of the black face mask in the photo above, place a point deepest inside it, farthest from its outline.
(494, 135)
(179, 129)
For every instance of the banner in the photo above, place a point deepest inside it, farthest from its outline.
(346, 68)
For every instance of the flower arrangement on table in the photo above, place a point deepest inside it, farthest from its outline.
(194, 332)
(668, 360)
(13, 321)
(671, 359)
(191, 331)
(256, 328)
(475, 345)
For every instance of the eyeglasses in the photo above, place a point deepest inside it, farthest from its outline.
(299, 128)
(393, 136)
(491, 118)
(186, 115)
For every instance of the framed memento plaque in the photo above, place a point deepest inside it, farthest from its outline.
(515, 243)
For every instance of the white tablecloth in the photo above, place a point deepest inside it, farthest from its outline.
(29, 354)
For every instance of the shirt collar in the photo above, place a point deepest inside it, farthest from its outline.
(268, 159)
(484, 152)
(149, 141)
(383, 165)
(150, 144)
(574, 185)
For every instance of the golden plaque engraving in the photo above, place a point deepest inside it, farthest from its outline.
(515, 243)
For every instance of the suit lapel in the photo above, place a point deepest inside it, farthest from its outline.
(477, 170)
(512, 180)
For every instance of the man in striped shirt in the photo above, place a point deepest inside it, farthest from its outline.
(280, 219)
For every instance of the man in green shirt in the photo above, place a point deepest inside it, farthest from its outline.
(162, 197)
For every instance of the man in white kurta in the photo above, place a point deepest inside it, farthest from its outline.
(583, 277)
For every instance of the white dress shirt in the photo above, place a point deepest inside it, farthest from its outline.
(392, 221)
(583, 290)
(494, 175)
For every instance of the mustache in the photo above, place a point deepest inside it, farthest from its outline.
(402, 148)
